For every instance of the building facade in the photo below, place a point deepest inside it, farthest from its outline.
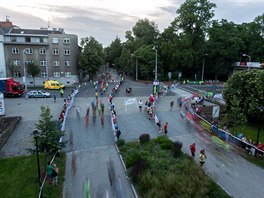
(54, 51)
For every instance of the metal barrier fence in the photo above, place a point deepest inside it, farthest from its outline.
(228, 137)
(62, 128)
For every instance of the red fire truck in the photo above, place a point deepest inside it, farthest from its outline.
(9, 87)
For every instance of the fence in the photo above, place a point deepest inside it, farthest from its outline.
(62, 128)
(228, 137)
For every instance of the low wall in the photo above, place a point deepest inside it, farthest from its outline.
(5, 132)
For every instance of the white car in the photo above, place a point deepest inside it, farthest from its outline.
(38, 94)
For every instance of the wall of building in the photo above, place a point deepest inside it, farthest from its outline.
(61, 70)
(2, 58)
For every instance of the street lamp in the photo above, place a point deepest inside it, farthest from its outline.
(203, 67)
(261, 109)
(249, 57)
(36, 136)
(25, 74)
(136, 66)
(156, 63)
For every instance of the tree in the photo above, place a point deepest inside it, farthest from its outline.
(92, 55)
(235, 116)
(192, 24)
(224, 46)
(248, 87)
(50, 135)
(33, 70)
(113, 52)
(145, 32)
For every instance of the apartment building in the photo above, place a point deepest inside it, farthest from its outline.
(54, 51)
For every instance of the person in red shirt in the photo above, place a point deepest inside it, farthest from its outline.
(193, 149)
(165, 128)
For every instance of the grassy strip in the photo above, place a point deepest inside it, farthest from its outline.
(19, 177)
(156, 173)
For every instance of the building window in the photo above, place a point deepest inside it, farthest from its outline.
(67, 74)
(67, 52)
(56, 63)
(43, 74)
(55, 40)
(15, 50)
(17, 74)
(27, 39)
(35, 40)
(29, 51)
(43, 63)
(13, 39)
(56, 74)
(55, 51)
(30, 62)
(16, 62)
(66, 40)
(43, 40)
(42, 50)
(67, 63)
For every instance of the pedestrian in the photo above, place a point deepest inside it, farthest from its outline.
(117, 133)
(157, 121)
(165, 128)
(171, 104)
(140, 103)
(78, 110)
(102, 107)
(61, 92)
(55, 171)
(202, 157)
(193, 149)
(54, 97)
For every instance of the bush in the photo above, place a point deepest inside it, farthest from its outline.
(138, 169)
(143, 138)
(176, 148)
(164, 142)
(120, 142)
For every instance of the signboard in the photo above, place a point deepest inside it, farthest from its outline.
(216, 110)
(155, 87)
(2, 105)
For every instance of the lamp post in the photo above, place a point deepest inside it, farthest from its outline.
(203, 67)
(249, 57)
(25, 75)
(261, 109)
(36, 136)
(134, 55)
(156, 63)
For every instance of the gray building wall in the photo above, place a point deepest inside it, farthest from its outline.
(67, 75)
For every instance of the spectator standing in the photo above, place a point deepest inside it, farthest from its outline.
(193, 149)
(165, 128)
(117, 133)
(202, 157)
(54, 97)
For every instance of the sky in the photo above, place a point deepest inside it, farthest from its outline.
(107, 19)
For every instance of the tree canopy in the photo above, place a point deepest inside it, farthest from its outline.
(247, 88)
(91, 55)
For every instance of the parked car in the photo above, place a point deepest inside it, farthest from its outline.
(38, 94)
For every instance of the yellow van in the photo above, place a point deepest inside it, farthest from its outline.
(53, 84)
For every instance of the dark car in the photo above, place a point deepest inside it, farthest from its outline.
(38, 94)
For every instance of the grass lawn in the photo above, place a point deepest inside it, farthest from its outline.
(19, 177)
(156, 173)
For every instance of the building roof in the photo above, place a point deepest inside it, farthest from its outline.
(5, 26)
(35, 31)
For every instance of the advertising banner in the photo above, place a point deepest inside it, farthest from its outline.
(2, 105)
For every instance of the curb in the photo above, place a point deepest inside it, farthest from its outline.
(125, 169)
